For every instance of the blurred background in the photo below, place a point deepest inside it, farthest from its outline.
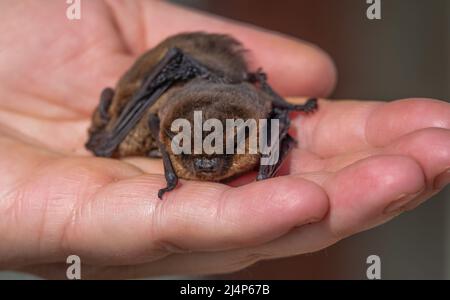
(405, 54)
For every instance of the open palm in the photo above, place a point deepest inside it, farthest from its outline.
(358, 164)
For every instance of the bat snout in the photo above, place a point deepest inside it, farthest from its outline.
(208, 165)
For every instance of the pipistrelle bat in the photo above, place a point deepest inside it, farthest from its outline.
(184, 74)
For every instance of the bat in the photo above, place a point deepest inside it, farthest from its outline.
(188, 73)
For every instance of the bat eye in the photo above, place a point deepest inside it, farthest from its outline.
(207, 164)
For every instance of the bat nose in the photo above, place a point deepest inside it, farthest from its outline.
(207, 164)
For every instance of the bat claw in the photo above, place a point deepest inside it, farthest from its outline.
(172, 181)
(161, 193)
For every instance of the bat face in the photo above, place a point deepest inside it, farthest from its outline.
(199, 104)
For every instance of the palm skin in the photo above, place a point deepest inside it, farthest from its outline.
(358, 164)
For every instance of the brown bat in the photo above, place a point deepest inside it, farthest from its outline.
(185, 73)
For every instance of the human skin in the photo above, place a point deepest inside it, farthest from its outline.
(358, 163)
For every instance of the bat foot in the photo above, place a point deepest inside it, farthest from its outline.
(172, 181)
(308, 107)
(161, 192)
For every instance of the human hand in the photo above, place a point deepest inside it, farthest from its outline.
(358, 163)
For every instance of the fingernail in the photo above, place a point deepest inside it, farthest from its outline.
(400, 203)
(442, 180)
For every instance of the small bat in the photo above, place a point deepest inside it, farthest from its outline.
(185, 73)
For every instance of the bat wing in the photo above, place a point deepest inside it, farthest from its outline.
(283, 144)
(280, 111)
(174, 67)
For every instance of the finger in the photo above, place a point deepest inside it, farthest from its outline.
(356, 204)
(362, 195)
(196, 216)
(337, 127)
(430, 147)
(359, 197)
(340, 126)
(369, 190)
(390, 121)
(108, 212)
(294, 67)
